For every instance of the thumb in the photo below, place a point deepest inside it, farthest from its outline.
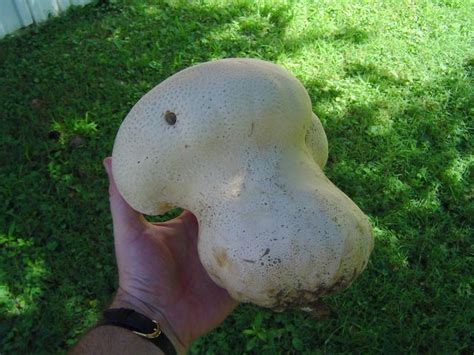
(124, 217)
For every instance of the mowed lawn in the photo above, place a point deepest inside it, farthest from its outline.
(392, 82)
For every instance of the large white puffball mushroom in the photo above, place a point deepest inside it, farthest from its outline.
(235, 141)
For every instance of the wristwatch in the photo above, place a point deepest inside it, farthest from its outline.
(140, 325)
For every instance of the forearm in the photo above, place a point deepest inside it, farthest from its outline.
(106, 339)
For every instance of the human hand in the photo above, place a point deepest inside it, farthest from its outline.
(160, 274)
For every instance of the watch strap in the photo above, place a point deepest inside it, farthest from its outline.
(140, 325)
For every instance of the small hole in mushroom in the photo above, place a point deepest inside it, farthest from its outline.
(170, 117)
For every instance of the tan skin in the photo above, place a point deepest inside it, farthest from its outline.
(160, 275)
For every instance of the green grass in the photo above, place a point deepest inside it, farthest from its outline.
(392, 83)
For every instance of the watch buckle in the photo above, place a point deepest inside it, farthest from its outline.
(155, 334)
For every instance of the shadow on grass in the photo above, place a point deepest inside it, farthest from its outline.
(347, 35)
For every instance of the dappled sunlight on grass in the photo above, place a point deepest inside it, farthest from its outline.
(22, 261)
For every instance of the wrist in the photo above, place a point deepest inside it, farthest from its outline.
(124, 299)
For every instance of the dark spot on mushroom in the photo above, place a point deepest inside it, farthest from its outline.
(170, 117)
(249, 261)
(298, 299)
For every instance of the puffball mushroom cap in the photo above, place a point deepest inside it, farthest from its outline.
(235, 141)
